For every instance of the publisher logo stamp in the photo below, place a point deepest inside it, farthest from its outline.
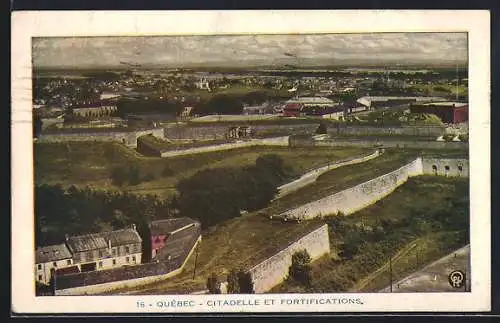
(456, 279)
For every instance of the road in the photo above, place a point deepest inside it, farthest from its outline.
(434, 277)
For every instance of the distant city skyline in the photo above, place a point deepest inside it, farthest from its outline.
(241, 50)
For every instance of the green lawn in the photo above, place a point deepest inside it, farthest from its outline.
(91, 163)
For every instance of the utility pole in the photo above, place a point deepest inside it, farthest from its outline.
(195, 260)
(390, 273)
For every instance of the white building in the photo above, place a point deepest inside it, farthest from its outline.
(50, 258)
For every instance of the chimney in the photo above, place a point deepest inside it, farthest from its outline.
(109, 245)
(134, 227)
(66, 236)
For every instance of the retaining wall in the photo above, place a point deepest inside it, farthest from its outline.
(311, 176)
(426, 131)
(129, 138)
(274, 270)
(360, 196)
(384, 143)
(279, 141)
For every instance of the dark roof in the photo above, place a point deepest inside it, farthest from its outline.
(67, 270)
(100, 240)
(179, 243)
(167, 226)
(52, 253)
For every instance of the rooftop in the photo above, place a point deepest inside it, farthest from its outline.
(52, 253)
(311, 100)
(167, 226)
(100, 240)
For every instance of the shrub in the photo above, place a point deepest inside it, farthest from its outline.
(213, 285)
(300, 270)
(464, 137)
(233, 286)
(245, 282)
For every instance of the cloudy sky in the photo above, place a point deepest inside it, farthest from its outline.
(253, 49)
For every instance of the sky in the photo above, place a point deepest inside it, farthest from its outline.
(250, 49)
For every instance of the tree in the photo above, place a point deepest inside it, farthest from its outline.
(213, 284)
(134, 176)
(118, 176)
(223, 104)
(300, 270)
(245, 282)
(233, 285)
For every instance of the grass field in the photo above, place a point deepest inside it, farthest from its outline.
(91, 163)
(368, 271)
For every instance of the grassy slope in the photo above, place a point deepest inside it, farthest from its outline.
(91, 163)
(328, 272)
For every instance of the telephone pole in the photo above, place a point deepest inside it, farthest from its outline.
(195, 260)
(390, 273)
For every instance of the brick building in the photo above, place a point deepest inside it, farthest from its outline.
(448, 112)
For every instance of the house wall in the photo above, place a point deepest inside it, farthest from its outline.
(46, 268)
(274, 270)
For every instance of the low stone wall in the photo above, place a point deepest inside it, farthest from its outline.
(390, 144)
(128, 138)
(279, 141)
(274, 270)
(425, 131)
(310, 177)
(360, 196)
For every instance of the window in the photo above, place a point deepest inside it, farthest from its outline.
(434, 167)
(39, 267)
(127, 259)
(114, 262)
(460, 168)
(68, 262)
(447, 167)
(127, 249)
(133, 258)
(100, 264)
(39, 277)
(55, 264)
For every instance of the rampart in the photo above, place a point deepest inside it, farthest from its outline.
(278, 141)
(274, 270)
(310, 177)
(425, 131)
(360, 196)
(127, 137)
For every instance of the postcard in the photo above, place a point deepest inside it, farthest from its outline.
(250, 162)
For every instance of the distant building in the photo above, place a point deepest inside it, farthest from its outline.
(108, 96)
(167, 237)
(448, 112)
(307, 106)
(374, 102)
(50, 258)
(95, 109)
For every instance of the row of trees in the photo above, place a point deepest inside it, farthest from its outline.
(215, 195)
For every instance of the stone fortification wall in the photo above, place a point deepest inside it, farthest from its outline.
(274, 270)
(310, 177)
(425, 131)
(128, 138)
(221, 131)
(388, 143)
(446, 167)
(279, 141)
(358, 197)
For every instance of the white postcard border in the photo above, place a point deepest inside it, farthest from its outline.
(113, 23)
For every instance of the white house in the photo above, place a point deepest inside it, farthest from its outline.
(50, 258)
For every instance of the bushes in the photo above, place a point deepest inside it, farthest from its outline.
(300, 270)
(239, 282)
(213, 284)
